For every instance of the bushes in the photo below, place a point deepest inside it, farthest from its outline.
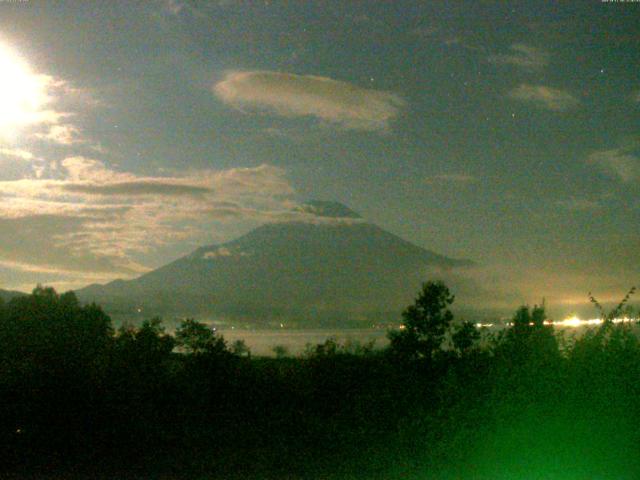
(74, 389)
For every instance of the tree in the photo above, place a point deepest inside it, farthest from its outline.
(280, 351)
(621, 309)
(197, 338)
(530, 341)
(240, 348)
(465, 337)
(53, 356)
(48, 330)
(425, 323)
(145, 349)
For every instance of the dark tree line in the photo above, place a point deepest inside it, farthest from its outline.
(444, 400)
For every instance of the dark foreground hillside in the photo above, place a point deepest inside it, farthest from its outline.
(80, 400)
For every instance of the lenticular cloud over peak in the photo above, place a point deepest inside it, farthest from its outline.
(291, 95)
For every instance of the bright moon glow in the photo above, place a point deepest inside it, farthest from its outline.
(23, 94)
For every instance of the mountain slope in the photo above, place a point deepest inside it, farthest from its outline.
(345, 269)
(7, 295)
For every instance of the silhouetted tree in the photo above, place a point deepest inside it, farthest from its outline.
(330, 347)
(280, 351)
(72, 390)
(621, 309)
(526, 322)
(150, 340)
(529, 350)
(53, 353)
(240, 348)
(425, 323)
(197, 338)
(465, 337)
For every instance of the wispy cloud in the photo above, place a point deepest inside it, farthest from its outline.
(64, 134)
(545, 97)
(17, 153)
(93, 218)
(577, 204)
(458, 41)
(620, 163)
(36, 243)
(142, 187)
(446, 37)
(523, 56)
(290, 95)
(460, 178)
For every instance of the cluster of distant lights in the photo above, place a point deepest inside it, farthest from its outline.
(571, 322)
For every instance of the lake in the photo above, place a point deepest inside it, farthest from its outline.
(261, 342)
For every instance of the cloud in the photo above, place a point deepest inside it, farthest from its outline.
(545, 97)
(290, 95)
(80, 168)
(32, 243)
(65, 134)
(17, 153)
(88, 219)
(457, 41)
(143, 187)
(448, 38)
(450, 178)
(619, 163)
(579, 204)
(91, 177)
(264, 180)
(523, 56)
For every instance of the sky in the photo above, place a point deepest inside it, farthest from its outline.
(506, 133)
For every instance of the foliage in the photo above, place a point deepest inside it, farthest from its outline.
(280, 351)
(197, 338)
(79, 397)
(529, 342)
(332, 347)
(465, 337)
(621, 309)
(240, 348)
(425, 323)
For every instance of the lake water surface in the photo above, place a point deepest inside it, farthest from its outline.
(262, 342)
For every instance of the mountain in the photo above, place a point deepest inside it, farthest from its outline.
(331, 268)
(6, 295)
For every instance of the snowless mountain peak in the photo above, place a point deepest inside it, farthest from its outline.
(324, 266)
